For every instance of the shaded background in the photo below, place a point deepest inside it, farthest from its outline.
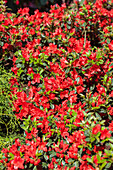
(42, 5)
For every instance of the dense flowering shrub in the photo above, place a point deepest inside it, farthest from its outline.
(63, 66)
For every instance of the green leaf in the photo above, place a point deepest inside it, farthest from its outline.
(50, 142)
(46, 157)
(70, 160)
(80, 146)
(111, 140)
(63, 162)
(68, 27)
(105, 77)
(108, 40)
(103, 165)
(90, 146)
(109, 116)
(39, 124)
(98, 116)
(69, 22)
(108, 165)
(89, 160)
(84, 24)
(81, 13)
(11, 155)
(74, 113)
(19, 65)
(98, 158)
(1, 43)
(88, 53)
(111, 64)
(107, 152)
(76, 164)
(35, 168)
(81, 150)
(25, 166)
(92, 139)
(53, 154)
(30, 165)
(18, 53)
(44, 165)
(77, 79)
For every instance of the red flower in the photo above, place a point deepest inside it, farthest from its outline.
(80, 115)
(18, 162)
(25, 55)
(85, 166)
(14, 59)
(85, 2)
(111, 126)
(96, 129)
(30, 70)
(28, 135)
(84, 157)
(52, 96)
(100, 89)
(23, 11)
(95, 160)
(34, 132)
(17, 2)
(83, 60)
(37, 162)
(36, 78)
(79, 89)
(111, 45)
(110, 109)
(1, 17)
(64, 94)
(64, 63)
(5, 1)
(111, 94)
(31, 31)
(105, 134)
(23, 38)
(6, 45)
(14, 69)
(72, 97)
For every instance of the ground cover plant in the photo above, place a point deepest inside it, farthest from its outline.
(61, 88)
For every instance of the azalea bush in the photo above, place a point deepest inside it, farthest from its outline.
(62, 63)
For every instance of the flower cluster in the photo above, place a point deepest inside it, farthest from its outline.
(63, 64)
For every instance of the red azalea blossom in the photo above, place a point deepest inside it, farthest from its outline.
(17, 2)
(36, 78)
(111, 94)
(96, 129)
(110, 110)
(18, 162)
(111, 45)
(85, 166)
(111, 126)
(23, 11)
(101, 89)
(105, 134)
(64, 94)
(80, 89)
(1, 17)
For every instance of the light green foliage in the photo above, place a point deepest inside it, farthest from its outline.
(8, 122)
